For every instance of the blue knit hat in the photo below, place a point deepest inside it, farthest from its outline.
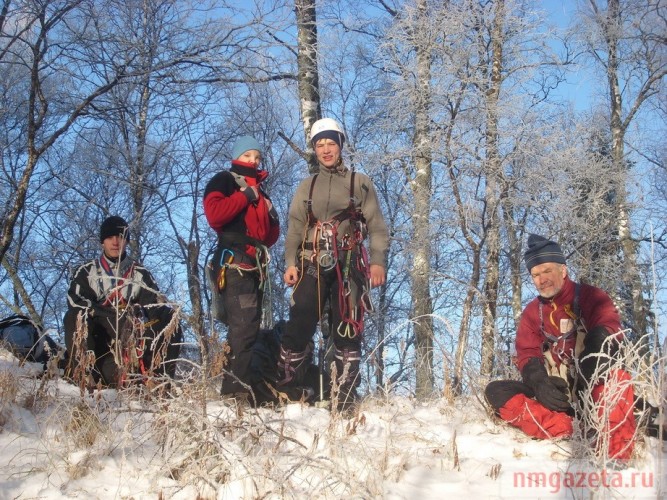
(243, 144)
(541, 251)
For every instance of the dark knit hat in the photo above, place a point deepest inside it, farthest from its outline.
(541, 250)
(337, 137)
(243, 144)
(114, 226)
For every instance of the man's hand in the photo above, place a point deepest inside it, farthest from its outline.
(378, 277)
(291, 276)
(552, 392)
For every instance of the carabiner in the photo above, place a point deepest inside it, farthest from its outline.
(226, 258)
(229, 256)
(346, 333)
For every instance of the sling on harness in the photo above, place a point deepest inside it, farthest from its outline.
(347, 255)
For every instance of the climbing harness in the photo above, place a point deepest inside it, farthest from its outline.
(230, 256)
(556, 345)
(133, 341)
(346, 255)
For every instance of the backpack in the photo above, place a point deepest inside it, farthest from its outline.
(25, 339)
(265, 355)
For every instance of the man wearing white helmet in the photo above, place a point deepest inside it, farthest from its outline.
(332, 215)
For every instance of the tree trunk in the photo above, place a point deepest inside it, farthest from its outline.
(308, 75)
(493, 175)
(473, 283)
(422, 305)
(194, 291)
(631, 276)
(464, 329)
(381, 334)
(514, 232)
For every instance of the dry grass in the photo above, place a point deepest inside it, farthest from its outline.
(591, 438)
(82, 361)
(219, 447)
(8, 393)
(9, 388)
(83, 426)
(218, 356)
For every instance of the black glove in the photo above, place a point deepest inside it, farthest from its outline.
(594, 343)
(552, 392)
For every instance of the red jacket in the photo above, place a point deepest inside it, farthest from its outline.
(595, 309)
(229, 210)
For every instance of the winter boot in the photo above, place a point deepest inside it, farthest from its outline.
(347, 379)
(292, 366)
(535, 419)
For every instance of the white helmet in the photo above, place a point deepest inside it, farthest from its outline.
(327, 128)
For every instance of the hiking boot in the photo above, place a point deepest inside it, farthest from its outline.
(292, 366)
(347, 379)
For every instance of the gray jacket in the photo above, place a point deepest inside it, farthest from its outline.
(331, 196)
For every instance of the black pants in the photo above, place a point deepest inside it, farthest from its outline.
(102, 330)
(243, 305)
(309, 298)
(500, 392)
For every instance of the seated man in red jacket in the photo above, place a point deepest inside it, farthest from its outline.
(567, 321)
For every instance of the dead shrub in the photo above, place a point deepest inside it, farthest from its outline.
(8, 388)
(83, 426)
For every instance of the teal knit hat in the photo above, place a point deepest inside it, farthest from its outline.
(243, 144)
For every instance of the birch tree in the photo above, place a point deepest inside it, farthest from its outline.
(308, 74)
(408, 48)
(493, 177)
(420, 184)
(111, 81)
(626, 42)
(498, 117)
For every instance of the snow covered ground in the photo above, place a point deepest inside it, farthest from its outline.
(54, 444)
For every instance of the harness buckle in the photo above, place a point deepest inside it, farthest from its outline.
(326, 260)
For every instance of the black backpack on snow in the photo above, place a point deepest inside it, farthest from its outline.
(26, 340)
